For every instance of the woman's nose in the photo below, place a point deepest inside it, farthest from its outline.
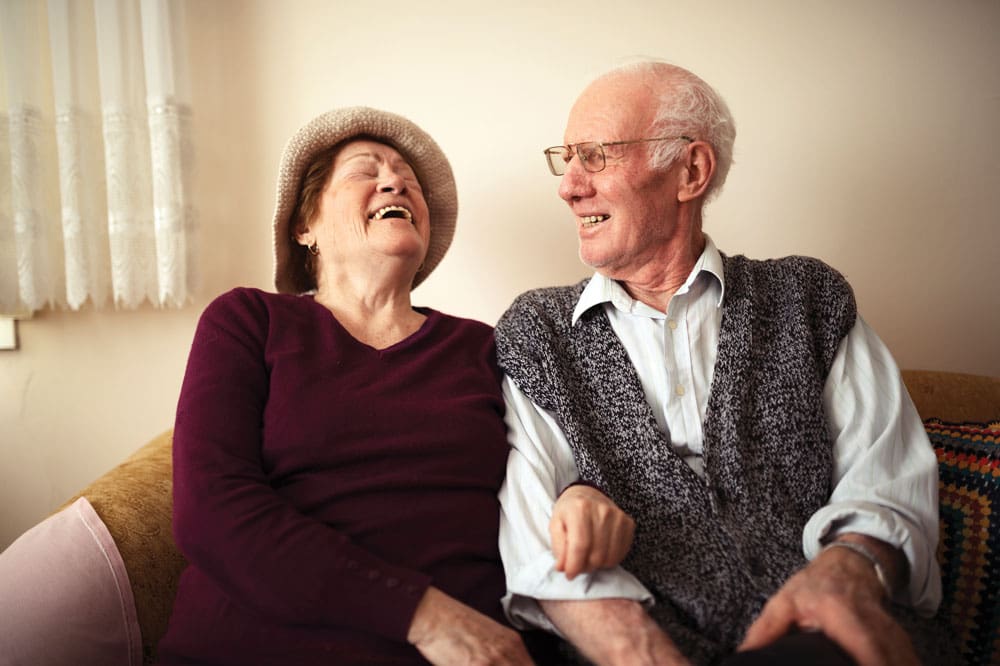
(391, 182)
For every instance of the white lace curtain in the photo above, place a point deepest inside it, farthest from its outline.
(95, 165)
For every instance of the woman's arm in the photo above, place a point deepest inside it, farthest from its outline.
(231, 524)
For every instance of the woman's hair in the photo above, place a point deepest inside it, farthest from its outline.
(687, 106)
(316, 176)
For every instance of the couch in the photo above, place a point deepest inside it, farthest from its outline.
(134, 502)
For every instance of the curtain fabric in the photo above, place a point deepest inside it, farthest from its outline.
(95, 156)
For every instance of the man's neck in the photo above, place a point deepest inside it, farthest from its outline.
(656, 285)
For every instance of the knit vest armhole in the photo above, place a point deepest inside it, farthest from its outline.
(527, 338)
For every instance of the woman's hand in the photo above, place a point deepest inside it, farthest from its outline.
(446, 631)
(588, 531)
(613, 632)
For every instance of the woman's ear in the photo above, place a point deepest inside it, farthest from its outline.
(303, 236)
(699, 166)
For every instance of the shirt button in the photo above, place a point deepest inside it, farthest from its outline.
(672, 324)
(679, 390)
(373, 574)
(391, 582)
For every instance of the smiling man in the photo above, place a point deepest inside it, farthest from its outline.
(752, 424)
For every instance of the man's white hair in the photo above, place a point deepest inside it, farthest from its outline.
(687, 106)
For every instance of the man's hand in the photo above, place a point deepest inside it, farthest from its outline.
(446, 631)
(839, 594)
(613, 632)
(588, 531)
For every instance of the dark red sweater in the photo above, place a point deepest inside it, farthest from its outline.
(321, 485)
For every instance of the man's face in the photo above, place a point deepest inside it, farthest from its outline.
(626, 214)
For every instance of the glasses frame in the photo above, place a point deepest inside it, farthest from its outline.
(572, 149)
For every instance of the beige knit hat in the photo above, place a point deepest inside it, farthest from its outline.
(417, 148)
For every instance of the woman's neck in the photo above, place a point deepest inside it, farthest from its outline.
(378, 317)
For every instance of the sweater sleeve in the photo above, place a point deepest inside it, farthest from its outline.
(230, 523)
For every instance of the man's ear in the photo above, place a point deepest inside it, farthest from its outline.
(699, 166)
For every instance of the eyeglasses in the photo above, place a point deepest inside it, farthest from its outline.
(591, 153)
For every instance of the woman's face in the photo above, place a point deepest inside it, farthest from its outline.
(372, 213)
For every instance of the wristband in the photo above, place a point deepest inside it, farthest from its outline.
(581, 482)
(872, 559)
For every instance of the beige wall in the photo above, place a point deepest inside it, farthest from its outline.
(867, 137)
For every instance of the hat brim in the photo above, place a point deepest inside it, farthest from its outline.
(417, 147)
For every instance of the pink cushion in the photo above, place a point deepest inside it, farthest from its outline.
(65, 596)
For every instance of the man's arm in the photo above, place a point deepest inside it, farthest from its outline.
(539, 466)
(885, 482)
(841, 594)
(884, 500)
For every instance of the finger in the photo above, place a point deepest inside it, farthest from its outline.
(596, 557)
(557, 533)
(872, 640)
(776, 620)
(521, 657)
(579, 541)
(621, 543)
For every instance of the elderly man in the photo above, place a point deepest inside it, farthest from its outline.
(755, 428)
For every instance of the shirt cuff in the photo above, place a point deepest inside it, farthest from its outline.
(540, 580)
(923, 591)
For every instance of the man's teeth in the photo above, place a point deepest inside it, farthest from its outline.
(392, 212)
(593, 219)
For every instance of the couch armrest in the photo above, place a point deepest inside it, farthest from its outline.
(954, 397)
(135, 502)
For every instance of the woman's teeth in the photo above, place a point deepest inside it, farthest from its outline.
(392, 212)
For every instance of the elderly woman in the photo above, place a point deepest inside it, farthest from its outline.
(337, 451)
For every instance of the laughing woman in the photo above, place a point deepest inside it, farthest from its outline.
(338, 451)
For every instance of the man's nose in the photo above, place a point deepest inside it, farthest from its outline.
(576, 181)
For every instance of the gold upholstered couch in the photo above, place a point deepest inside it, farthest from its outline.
(134, 501)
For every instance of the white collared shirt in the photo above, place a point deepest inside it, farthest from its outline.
(885, 470)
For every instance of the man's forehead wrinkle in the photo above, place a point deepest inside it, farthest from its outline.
(618, 107)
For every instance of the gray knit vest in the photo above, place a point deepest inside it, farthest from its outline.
(710, 550)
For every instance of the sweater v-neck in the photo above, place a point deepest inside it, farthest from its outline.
(431, 317)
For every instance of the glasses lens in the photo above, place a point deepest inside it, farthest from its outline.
(591, 155)
(557, 157)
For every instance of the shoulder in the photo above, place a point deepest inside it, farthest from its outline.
(790, 265)
(466, 328)
(251, 298)
(808, 275)
(793, 288)
(531, 332)
(549, 308)
(250, 310)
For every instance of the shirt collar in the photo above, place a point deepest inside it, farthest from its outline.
(602, 289)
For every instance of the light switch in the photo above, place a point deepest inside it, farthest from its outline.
(8, 333)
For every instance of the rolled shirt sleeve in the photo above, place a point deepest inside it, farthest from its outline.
(885, 482)
(539, 466)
